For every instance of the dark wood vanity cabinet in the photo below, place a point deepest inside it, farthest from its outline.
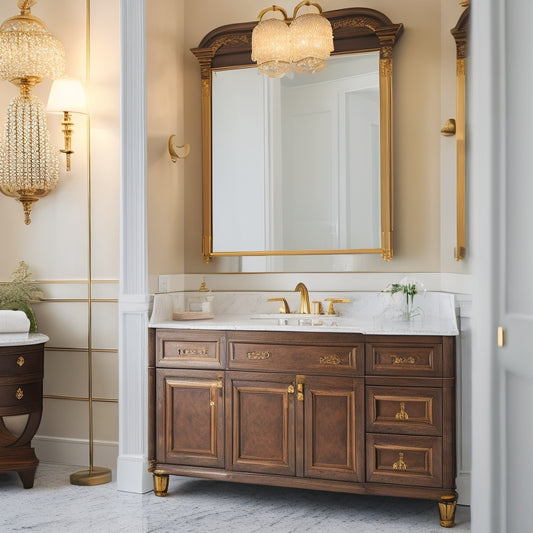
(343, 412)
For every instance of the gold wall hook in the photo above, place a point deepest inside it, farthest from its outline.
(449, 127)
(172, 150)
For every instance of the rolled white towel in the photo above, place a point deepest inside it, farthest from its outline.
(14, 322)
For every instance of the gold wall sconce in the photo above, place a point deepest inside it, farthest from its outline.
(29, 164)
(302, 43)
(173, 149)
(449, 127)
(66, 97)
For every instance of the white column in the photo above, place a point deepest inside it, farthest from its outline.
(132, 465)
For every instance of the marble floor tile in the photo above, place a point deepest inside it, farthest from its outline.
(194, 505)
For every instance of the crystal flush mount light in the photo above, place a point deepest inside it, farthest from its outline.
(29, 164)
(302, 43)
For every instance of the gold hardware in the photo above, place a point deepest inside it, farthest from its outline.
(160, 483)
(449, 127)
(20, 361)
(305, 307)
(258, 355)
(19, 394)
(317, 308)
(331, 310)
(290, 389)
(220, 382)
(300, 387)
(396, 360)
(212, 403)
(501, 337)
(333, 359)
(284, 305)
(447, 510)
(402, 414)
(400, 464)
(193, 351)
(172, 150)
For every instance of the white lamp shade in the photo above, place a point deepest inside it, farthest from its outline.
(67, 94)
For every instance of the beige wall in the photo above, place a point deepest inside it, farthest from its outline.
(419, 85)
(55, 245)
(165, 109)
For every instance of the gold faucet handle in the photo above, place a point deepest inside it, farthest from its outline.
(331, 309)
(284, 305)
(317, 308)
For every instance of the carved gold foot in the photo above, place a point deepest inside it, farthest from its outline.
(160, 484)
(447, 510)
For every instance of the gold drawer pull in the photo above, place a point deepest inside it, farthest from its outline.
(258, 355)
(402, 414)
(203, 352)
(400, 463)
(290, 389)
(20, 361)
(19, 394)
(220, 382)
(403, 360)
(333, 359)
(212, 403)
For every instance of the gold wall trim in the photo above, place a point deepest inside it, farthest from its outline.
(78, 300)
(78, 398)
(79, 350)
(73, 281)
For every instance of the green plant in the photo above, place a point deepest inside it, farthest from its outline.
(20, 292)
(409, 289)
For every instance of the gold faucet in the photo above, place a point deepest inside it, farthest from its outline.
(284, 305)
(305, 306)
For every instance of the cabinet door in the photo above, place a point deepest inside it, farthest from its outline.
(190, 417)
(261, 414)
(334, 428)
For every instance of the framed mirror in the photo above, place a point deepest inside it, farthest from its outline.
(460, 33)
(303, 164)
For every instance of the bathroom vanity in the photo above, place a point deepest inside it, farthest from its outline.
(308, 407)
(21, 393)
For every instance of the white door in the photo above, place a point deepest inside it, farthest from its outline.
(502, 191)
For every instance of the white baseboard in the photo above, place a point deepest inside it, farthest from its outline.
(463, 488)
(67, 451)
(133, 475)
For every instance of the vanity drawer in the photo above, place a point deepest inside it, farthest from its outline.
(327, 359)
(407, 411)
(404, 460)
(190, 349)
(20, 398)
(404, 359)
(21, 363)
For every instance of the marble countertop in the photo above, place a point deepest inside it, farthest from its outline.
(367, 313)
(329, 325)
(22, 339)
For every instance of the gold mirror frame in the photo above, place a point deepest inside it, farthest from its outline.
(460, 33)
(354, 30)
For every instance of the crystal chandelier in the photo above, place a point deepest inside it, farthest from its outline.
(302, 43)
(29, 164)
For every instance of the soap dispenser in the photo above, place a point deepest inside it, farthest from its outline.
(203, 302)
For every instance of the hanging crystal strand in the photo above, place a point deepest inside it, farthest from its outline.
(29, 164)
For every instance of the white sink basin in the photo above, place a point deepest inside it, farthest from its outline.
(297, 319)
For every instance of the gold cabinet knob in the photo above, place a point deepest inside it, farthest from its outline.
(19, 394)
(20, 360)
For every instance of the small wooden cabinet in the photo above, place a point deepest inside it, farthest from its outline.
(21, 393)
(343, 412)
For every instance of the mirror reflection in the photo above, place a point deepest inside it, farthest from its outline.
(296, 160)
